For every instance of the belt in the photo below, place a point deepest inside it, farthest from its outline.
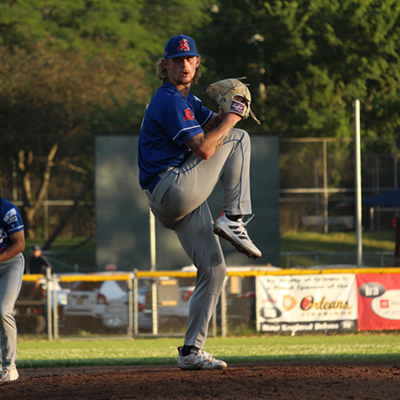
(153, 184)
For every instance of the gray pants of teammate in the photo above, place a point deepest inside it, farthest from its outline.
(11, 272)
(179, 202)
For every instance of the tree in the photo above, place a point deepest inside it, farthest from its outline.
(69, 70)
(308, 61)
(137, 29)
(45, 102)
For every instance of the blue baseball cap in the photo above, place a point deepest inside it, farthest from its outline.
(180, 46)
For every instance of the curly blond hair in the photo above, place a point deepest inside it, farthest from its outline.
(162, 73)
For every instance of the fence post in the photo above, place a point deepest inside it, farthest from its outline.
(325, 182)
(154, 306)
(55, 308)
(48, 304)
(223, 312)
(131, 308)
(358, 181)
(135, 305)
(258, 327)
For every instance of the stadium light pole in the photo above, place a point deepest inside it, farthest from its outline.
(357, 148)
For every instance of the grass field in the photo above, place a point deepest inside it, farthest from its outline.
(290, 241)
(337, 241)
(349, 347)
(344, 347)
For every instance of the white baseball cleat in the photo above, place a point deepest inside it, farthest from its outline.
(236, 233)
(9, 375)
(199, 359)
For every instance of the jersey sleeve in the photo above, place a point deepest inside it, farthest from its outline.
(180, 121)
(12, 219)
(203, 114)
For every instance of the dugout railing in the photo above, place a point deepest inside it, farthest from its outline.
(150, 303)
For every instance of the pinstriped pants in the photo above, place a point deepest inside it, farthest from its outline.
(11, 272)
(179, 202)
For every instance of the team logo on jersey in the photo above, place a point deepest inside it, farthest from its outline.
(11, 216)
(184, 45)
(188, 115)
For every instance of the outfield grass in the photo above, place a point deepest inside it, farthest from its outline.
(344, 347)
(349, 347)
(289, 241)
(336, 242)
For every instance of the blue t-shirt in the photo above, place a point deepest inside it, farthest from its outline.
(10, 222)
(170, 120)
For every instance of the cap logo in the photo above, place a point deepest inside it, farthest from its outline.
(184, 45)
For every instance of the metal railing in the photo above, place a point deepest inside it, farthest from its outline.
(152, 303)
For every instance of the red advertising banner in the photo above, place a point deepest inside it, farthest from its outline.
(378, 301)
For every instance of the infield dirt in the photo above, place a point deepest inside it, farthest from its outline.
(373, 381)
(311, 380)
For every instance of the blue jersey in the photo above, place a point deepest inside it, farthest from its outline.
(10, 223)
(170, 120)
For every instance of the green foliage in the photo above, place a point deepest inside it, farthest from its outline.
(72, 69)
(308, 61)
(134, 29)
(123, 119)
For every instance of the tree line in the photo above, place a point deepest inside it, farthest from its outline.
(74, 69)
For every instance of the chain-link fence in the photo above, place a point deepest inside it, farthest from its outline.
(317, 182)
(156, 303)
(114, 304)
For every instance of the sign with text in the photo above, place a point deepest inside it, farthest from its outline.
(307, 302)
(378, 301)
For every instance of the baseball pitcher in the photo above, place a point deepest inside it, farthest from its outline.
(184, 150)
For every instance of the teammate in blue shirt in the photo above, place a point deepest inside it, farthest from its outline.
(184, 150)
(12, 263)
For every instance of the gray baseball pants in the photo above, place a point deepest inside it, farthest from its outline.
(179, 202)
(11, 272)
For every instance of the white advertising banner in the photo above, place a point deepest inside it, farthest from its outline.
(320, 302)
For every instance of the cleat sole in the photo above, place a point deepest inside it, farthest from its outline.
(221, 233)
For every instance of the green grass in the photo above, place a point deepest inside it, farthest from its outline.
(344, 347)
(335, 242)
(84, 256)
(290, 241)
(336, 347)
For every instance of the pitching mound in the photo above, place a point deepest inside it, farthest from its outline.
(240, 381)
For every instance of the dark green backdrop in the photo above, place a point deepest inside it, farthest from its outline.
(122, 212)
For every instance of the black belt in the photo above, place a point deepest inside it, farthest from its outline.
(153, 184)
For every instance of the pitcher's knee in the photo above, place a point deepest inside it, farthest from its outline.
(5, 316)
(240, 134)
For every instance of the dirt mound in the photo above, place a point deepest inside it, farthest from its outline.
(298, 380)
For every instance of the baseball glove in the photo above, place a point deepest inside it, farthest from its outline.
(233, 96)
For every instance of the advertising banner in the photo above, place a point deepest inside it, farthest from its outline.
(378, 301)
(318, 302)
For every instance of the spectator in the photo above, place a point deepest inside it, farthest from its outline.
(38, 262)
